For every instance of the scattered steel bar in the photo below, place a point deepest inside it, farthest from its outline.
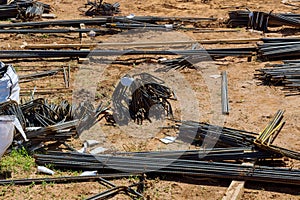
(64, 179)
(224, 94)
(31, 77)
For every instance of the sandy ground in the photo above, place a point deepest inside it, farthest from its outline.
(251, 106)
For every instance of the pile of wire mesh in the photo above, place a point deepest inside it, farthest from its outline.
(261, 21)
(286, 75)
(46, 123)
(279, 49)
(98, 7)
(143, 98)
(23, 9)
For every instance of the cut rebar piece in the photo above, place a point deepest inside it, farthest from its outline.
(224, 94)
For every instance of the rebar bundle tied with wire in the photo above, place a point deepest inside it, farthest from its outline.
(147, 98)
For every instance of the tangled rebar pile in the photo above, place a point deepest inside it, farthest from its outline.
(286, 75)
(98, 7)
(23, 9)
(46, 123)
(142, 98)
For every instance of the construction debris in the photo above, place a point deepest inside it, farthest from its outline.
(98, 7)
(262, 21)
(145, 92)
(52, 124)
(286, 75)
(25, 10)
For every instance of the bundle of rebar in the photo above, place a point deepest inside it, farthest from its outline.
(142, 20)
(261, 20)
(223, 136)
(166, 166)
(146, 93)
(204, 53)
(215, 154)
(98, 7)
(279, 49)
(286, 75)
(23, 9)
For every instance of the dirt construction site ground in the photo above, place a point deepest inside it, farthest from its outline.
(251, 106)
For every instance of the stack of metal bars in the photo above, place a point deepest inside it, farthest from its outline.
(286, 75)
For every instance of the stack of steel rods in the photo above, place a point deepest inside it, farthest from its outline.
(270, 132)
(215, 154)
(107, 19)
(132, 164)
(261, 20)
(215, 53)
(225, 137)
(286, 75)
(279, 49)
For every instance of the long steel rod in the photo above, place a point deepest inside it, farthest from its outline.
(139, 44)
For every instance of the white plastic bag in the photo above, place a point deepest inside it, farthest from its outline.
(9, 84)
(6, 132)
(7, 127)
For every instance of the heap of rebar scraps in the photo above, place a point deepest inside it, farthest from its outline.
(261, 21)
(167, 166)
(23, 9)
(145, 97)
(279, 49)
(286, 75)
(56, 123)
(98, 7)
